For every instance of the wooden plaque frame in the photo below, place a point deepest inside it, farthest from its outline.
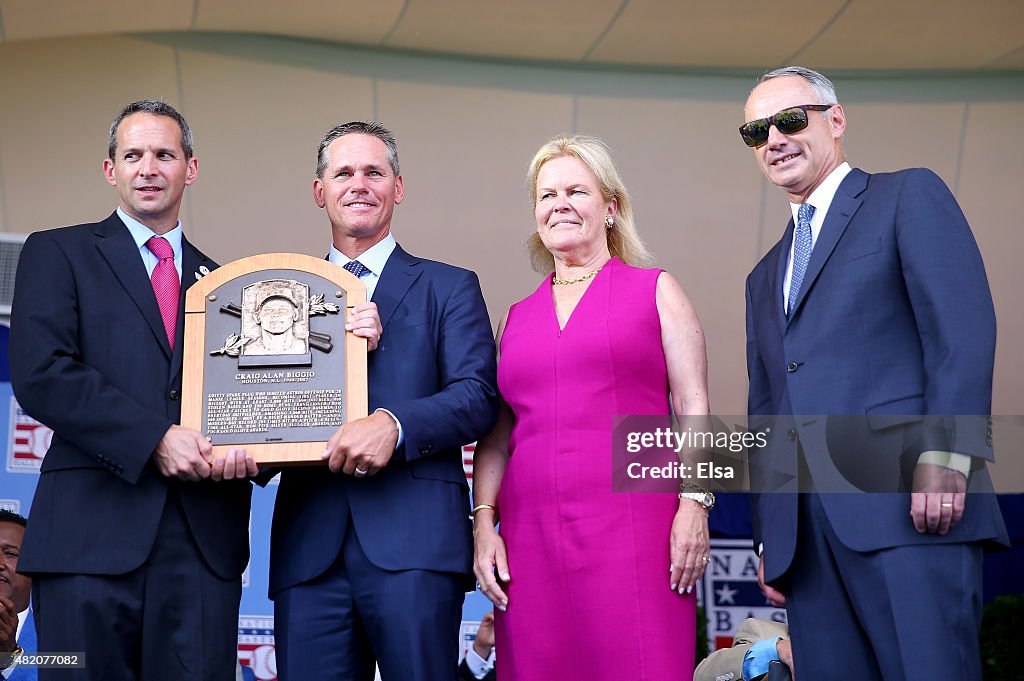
(195, 357)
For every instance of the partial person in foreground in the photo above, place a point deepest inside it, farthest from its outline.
(17, 628)
(757, 644)
(874, 308)
(137, 538)
(578, 573)
(371, 554)
(478, 664)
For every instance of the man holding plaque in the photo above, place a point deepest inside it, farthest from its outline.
(136, 553)
(371, 554)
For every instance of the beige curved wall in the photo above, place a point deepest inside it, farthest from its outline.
(466, 131)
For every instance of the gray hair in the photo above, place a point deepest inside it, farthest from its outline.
(821, 85)
(150, 106)
(372, 129)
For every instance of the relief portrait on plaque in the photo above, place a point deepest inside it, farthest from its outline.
(274, 317)
(282, 322)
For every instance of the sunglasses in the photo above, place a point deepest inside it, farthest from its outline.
(788, 121)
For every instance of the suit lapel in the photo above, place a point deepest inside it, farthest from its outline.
(399, 274)
(118, 248)
(191, 260)
(844, 204)
(778, 275)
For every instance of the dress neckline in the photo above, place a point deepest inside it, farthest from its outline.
(600, 276)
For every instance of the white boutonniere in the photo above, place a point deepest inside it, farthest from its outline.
(203, 271)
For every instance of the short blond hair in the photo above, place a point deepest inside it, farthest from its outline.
(623, 241)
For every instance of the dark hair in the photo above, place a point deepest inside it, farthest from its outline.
(150, 106)
(361, 128)
(12, 517)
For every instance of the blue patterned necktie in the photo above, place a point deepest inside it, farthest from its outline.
(802, 244)
(357, 268)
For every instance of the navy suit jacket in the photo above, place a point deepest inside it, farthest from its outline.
(90, 359)
(894, 322)
(434, 369)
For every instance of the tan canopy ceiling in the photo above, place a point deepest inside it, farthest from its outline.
(862, 35)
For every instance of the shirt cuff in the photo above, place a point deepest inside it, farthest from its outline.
(401, 433)
(957, 462)
(759, 655)
(478, 665)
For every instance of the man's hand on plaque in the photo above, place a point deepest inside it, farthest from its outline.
(364, 446)
(364, 321)
(236, 464)
(183, 453)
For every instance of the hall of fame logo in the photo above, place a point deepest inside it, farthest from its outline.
(27, 441)
(256, 646)
(730, 591)
(12, 505)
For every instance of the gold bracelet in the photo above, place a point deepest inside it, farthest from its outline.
(482, 507)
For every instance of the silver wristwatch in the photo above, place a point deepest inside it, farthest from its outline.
(701, 496)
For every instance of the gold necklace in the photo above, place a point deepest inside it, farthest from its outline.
(566, 282)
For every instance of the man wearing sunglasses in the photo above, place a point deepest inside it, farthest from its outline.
(873, 309)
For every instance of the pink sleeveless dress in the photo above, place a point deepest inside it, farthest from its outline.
(589, 597)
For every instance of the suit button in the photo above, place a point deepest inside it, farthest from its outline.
(792, 367)
(174, 394)
(791, 434)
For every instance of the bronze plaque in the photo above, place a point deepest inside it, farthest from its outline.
(268, 365)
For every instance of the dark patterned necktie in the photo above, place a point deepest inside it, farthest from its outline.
(357, 268)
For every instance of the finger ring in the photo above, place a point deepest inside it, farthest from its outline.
(360, 472)
(706, 559)
(946, 504)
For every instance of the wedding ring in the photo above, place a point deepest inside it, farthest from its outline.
(360, 472)
(706, 559)
(946, 504)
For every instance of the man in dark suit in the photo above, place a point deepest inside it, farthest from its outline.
(873, 312)
(136, 552)
(370, 558)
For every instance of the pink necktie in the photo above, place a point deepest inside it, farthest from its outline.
(165, 284)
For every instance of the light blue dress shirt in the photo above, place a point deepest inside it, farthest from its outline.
(141, 234)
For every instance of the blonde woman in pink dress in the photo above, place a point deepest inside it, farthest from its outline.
(580, 575)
